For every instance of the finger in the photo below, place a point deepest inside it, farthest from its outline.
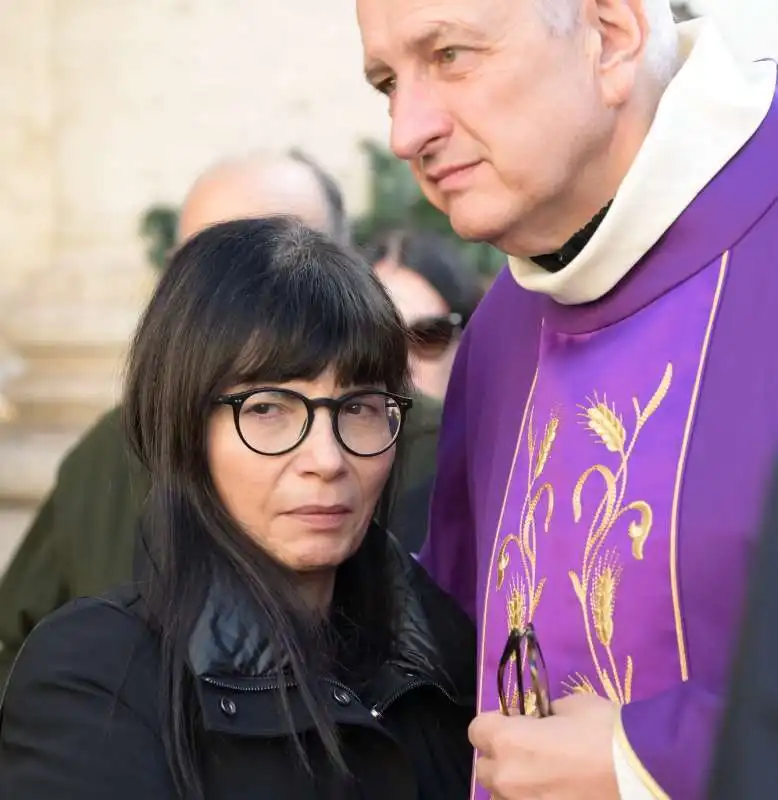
(482, 744)
(564, 704)
(484, 773)
(576, 704)
(488, 728)
(484, 728)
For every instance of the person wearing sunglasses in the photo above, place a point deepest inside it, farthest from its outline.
(278, 643)
(436, 291)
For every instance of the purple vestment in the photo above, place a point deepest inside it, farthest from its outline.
(602, 470)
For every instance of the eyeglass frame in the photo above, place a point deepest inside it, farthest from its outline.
(332, 404)
(516, 637)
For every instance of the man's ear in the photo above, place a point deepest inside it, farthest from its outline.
(621, 30)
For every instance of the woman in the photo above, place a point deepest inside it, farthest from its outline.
(280, 644)
(436, 292)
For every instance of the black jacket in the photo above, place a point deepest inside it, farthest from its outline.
(81, 721)
(83, 538)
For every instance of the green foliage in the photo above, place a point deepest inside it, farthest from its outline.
(397, 202)
(158, 228)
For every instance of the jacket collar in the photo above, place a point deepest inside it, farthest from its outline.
(230, 642)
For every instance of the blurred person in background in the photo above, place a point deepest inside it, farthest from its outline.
(83, 537)
(280, 644)
(436, 291)
(260, 185)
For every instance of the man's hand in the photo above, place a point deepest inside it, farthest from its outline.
(569, 755)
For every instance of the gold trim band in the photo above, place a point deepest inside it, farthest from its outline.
(679, 629)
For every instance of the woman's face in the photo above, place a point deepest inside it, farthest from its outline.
(308, 508)
(416, 299)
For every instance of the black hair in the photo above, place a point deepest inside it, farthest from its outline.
(265, 300)
(437, 259)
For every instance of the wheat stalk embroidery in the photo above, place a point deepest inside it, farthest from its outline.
(525, 592)
(596, 587)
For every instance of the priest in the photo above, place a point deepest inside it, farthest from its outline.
(611, 419)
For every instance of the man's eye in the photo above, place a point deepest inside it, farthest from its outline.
(447, 55)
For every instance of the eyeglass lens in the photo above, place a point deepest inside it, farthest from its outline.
(523, 650)
(275, 421)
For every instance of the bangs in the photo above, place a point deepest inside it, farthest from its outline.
(312, 318)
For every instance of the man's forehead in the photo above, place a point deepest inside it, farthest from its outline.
(410, 19)
(410, 22)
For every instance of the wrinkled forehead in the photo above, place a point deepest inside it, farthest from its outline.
(392, 28)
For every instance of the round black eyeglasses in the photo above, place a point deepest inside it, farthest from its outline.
(272, 421)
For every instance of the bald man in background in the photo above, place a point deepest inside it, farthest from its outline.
(83, 539)
(257, 185)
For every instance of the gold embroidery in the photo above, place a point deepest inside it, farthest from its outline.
(530, 702)
(525, 592)
(506, 495)
(606, 580)
(579, 684)
(597, 586)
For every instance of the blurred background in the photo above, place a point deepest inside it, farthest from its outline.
(109, 109)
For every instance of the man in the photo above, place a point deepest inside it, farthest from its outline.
(610, 420)
(260, 185)
(82, 540)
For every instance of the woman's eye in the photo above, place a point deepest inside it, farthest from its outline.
(263, 409)
(362, 409)
(387, 86)
(447, 54)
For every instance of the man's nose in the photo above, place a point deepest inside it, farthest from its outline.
(320, 452)
(418, 120)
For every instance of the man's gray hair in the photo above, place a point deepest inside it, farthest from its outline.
(338, 222)
(561, 16)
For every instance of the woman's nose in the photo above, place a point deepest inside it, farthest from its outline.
(321, 452)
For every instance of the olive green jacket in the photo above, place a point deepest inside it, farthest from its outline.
(83, 538)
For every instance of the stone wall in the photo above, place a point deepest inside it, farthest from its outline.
(26, 136)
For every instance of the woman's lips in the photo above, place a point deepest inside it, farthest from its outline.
(321, 516)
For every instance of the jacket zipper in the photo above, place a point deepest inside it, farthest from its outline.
(271, 684)
(377, 711)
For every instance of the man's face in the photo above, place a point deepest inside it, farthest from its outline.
(495, 114)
